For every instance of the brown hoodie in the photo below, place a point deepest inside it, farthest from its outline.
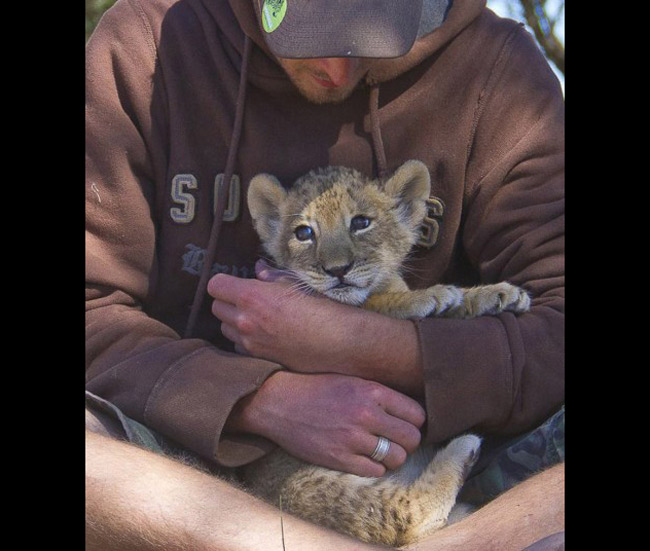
(475, 100)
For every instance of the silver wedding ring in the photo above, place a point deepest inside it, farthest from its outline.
(381, 450)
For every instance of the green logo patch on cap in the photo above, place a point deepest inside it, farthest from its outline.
(273, 12)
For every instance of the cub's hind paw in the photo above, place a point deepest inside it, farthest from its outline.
(463, 452)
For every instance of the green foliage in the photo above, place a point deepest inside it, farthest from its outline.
(94, 10)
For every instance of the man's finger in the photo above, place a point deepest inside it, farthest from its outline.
(394, 458)
(266, 272)
(227, 288)
(233, 335)
(405, 408)
(400, 432)
(225, 311)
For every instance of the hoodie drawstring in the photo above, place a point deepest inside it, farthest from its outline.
(377, 141)
(224, 189)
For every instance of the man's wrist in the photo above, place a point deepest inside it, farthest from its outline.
(247, 416)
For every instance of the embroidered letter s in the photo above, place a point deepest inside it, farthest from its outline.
(183, 214)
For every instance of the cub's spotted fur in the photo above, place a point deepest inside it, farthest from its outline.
(346, 236)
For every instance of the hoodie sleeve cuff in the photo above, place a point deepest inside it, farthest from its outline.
(467, 374)
(193, 399)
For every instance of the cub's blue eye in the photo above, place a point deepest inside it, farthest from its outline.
(304, 233)
(359, 223)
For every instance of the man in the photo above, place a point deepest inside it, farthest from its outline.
(187, 100)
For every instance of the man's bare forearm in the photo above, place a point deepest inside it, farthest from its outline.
(317, 335)
(528, 513)
(139, 501)
(385, 350)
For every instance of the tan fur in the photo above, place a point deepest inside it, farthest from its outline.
(327, 200)
(361, 266)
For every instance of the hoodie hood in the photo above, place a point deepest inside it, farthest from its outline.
(458, 15)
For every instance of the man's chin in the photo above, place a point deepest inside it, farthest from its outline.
(320, 95)
(304, 78)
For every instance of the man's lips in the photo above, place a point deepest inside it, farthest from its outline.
(325, 83)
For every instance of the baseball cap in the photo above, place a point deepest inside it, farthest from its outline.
(339, 28)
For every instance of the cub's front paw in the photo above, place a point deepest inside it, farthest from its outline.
(441, 299)
(497, 298)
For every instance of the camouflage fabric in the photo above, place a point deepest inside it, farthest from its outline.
(134, 432)
(516, 460)
(143, 436)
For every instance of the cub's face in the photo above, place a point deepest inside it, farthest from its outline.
(341, 234)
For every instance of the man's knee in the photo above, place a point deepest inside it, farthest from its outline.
(99, 422)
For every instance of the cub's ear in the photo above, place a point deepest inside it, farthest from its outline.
(265, 197)
(410, 185)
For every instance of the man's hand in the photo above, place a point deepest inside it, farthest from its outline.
(333, 412)
(332, 420)
(274, 320)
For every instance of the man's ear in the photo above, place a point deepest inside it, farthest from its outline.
(265, 197)
(410, 185)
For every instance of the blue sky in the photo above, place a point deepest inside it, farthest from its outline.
(508, 8)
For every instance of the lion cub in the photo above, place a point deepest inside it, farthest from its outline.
(345, 236)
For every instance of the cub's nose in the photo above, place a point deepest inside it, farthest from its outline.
(338, 271)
